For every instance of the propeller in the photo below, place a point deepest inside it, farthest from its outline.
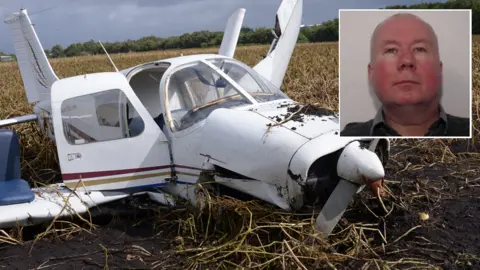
(335, 206)
(356, 167)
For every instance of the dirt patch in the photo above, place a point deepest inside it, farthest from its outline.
(122, 242)
(446, 238)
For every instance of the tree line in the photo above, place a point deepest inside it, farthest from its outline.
(324, 32)
(328, 31)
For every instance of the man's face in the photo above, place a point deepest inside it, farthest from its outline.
(406, 67)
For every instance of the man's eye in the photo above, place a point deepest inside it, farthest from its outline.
(420, 49)
(390, 50)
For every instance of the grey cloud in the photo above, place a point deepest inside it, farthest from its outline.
(146, 3)
(67, 21)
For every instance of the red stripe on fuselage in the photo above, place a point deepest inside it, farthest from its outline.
(84, 175)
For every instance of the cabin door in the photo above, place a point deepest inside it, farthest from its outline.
(106, 139)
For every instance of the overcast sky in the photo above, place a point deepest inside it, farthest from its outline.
(66, 21)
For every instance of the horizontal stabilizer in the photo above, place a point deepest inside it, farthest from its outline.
(18, 120)
(37, 74)
(287, 27)
(59, 201)
(231, 33)
(49, 202)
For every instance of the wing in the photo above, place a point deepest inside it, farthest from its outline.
(231, 33)
(37, 74)
(287, 27)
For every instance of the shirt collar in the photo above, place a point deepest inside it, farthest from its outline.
(380, 120)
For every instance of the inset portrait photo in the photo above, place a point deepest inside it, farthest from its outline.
(405, 73)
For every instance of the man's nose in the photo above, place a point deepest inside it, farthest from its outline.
(407, 60)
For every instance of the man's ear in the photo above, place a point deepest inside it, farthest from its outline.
(370, 72)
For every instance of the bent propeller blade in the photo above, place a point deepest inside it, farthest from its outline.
(335, 206)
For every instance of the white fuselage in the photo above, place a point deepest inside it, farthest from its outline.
(237, 139)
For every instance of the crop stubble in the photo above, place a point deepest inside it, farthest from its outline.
(438, 177)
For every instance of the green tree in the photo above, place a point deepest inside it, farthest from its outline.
(57, 51)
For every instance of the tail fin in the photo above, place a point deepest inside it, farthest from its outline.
(287, 27)
(231, 33)
(37, 74)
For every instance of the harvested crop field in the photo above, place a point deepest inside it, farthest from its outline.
(429, 220)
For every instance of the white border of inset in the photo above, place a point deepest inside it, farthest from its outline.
(407, 10)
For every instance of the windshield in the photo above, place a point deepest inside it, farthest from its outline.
(258, 87)
(195, 90)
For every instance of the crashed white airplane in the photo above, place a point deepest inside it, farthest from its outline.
(162, 127)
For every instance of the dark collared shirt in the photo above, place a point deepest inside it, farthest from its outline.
(446, 126)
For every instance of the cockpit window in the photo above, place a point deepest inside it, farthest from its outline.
(195, 91)
(257, 86)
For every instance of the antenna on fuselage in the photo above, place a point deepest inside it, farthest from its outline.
(111, 61)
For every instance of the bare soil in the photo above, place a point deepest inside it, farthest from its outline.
(449, 239)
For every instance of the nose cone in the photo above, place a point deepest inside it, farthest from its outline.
(357, 164)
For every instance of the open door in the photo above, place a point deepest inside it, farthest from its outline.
(105, 136)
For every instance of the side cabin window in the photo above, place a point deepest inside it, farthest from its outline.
(101, 116)
(195, 91)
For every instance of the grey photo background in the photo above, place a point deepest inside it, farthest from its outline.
(358, 102)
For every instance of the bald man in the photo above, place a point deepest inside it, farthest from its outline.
(405, 71)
